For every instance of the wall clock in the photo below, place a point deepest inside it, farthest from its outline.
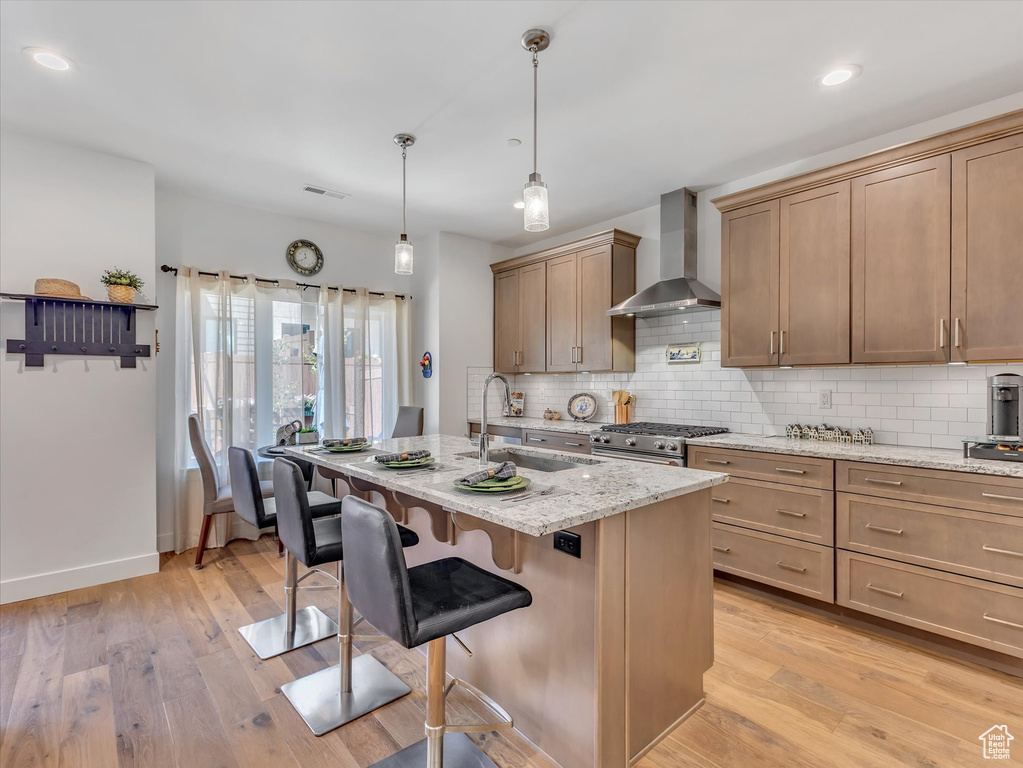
(305, 257)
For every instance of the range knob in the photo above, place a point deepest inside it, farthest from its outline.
(630, 441)
(672, 447)
(594, 438)
(605, 439)
(659, 445)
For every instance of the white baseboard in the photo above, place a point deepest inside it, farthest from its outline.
(37, 585)
(165, 542)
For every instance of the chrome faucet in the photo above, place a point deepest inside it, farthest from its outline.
(484, 437)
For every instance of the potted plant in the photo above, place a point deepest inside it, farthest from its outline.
(308, 435)
(121, 285)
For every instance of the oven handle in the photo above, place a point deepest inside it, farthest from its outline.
(674, 462)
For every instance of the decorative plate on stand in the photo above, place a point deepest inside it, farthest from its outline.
(582, 407)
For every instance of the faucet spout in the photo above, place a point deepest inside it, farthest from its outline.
(484, 437)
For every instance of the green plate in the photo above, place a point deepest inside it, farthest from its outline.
(499, 486)
(347, 448)
(406, 464)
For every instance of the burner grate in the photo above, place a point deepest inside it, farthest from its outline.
(666, 430)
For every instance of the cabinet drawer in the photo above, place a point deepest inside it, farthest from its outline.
(557, 441)
(971, 543)
(793, 565)
(984, 493)
(776, 467)
(787, 510)
(974, 611)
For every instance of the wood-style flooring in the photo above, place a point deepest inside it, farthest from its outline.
(152, 672)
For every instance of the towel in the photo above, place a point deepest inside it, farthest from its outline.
(504, 471)
(387, 458)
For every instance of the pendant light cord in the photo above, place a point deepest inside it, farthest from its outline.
(536, 62)
(404, 151)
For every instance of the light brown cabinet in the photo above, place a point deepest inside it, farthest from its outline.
(520, 302)
(901, 252)
(569, 330)
(749, 280)
(987, 251)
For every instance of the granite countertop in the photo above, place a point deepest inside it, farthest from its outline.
(899, 455)
(600, 487)
(561, 425)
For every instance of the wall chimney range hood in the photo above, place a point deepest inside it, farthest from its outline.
(678, 290)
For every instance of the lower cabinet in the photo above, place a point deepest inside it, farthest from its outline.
(972, 610)
(789, 564)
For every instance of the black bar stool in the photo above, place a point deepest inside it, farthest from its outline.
(421, 605)
(294, 628)
(336, 695)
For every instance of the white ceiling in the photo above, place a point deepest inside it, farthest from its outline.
(249, 101)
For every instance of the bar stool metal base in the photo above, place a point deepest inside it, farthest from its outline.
(317, 697)
(269, 637)
(459, 752)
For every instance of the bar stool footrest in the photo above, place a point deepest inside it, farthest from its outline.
(269, 638)
(459, 752)
(505, 723)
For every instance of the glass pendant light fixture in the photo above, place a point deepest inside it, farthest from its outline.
(403, 248)
(536, 214)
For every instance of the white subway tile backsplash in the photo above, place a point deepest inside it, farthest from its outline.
(926, 405)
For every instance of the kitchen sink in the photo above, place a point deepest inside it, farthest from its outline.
(529, 461)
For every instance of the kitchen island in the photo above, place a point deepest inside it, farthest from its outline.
(611, 654)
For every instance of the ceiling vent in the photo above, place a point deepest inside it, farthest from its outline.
(326, 192)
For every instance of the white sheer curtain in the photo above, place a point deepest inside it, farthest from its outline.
(251, 356)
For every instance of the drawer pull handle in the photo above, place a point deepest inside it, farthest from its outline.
(574, 445)
(882, 529)
(1002, 621)
(790, 513)
(888, 592)
(722, 549)
(717, 461)
(1000, 496)
(719, 500)
(788, 567)
(882, 482)
(791, 471)
(537, 439)
(986, 548)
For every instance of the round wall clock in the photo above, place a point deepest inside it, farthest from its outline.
(305, 257)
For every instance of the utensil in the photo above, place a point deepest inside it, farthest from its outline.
(416, 471)
(545, 492)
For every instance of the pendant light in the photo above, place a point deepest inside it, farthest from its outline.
(403, 248)
(536, 215)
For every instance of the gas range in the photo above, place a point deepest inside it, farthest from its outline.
(648, 441)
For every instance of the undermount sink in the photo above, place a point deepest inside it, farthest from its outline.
(529, 461)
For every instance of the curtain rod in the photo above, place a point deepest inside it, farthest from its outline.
(303, 286)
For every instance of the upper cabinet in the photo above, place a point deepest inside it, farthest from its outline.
(901, 251)
(560, 298)
(911, 255)
(987, 251)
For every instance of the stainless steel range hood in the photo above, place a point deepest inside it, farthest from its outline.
(678, 290)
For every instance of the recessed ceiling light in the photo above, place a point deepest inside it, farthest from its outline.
(518, 204)
(514, 142)
(839, 75)
(49, 59)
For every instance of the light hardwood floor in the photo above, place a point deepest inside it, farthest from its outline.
(152, 672)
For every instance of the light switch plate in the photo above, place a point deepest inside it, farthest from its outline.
(823, 398)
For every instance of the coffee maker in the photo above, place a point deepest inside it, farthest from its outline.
(1004, 415)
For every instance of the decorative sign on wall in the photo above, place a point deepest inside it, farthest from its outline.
(683, 353)
(427, 365)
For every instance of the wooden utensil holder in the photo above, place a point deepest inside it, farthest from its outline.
(623, 414)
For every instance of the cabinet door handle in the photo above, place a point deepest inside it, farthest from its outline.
(941, 333)
(882, 482)
(788, 567)
(888, 592)
(720, 500)
(781, 347)
(1003, 621)
(1000, 496)
(790, 513)
(986, 548)
(716, 461)
(579, 354)
(893, 531)
(772, 342)
(791, 471)
(722, 549)
(537, 439)
(574, 445)
(956, 328)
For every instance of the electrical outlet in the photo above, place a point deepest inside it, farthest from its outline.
(569, 543)
(823, 398)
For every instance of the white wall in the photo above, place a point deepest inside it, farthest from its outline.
(77, 458)
(931, 406)
(426, 327)
(214, 235)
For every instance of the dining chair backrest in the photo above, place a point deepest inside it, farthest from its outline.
(409, 422)
(245, 490)
(294, 519)
(204, 458)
